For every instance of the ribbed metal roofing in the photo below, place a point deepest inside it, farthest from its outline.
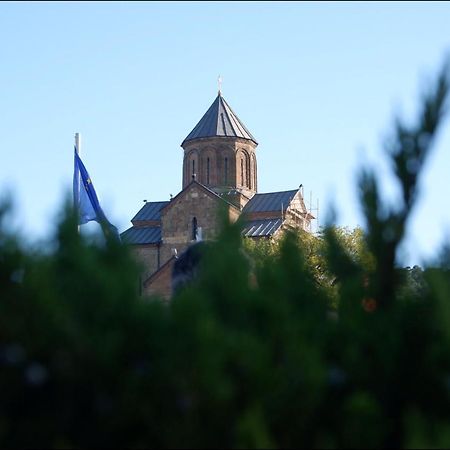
(261, 228)
(141, 235)
(220, 120)
(273, 201)
(150, 211)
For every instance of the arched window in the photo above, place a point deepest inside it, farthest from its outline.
(242, 172)
(190, 167)
(194, 229)
(248, 181)
(207, 171)
(226, 171)
(254, 170)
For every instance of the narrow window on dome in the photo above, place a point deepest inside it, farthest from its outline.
(242, 171)
(207, 171)
(193, 168)
(248, 171)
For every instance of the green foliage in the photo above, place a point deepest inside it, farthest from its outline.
(316, 252)
(251, 354)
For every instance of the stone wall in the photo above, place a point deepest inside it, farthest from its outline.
(221, 162)
(177, 219)
(147, 257)
(161, 282)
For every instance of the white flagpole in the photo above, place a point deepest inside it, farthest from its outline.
(77, 150)
(77, 142)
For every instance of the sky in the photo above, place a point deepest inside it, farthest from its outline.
(317, 83)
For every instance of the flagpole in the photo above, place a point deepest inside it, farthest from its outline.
(77, 150)
(77, 143)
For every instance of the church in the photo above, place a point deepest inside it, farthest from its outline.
(219, 169)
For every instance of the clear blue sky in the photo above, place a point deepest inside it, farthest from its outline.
(317, 84)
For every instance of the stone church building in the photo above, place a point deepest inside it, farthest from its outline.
(219, 168)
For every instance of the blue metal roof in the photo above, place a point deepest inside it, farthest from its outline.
(219, 120)
(141, 235)
(261, 228)
(150, 211)
(273, 201)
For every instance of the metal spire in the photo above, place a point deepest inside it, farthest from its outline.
(219, 82)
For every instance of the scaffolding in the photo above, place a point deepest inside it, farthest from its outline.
(311, 211)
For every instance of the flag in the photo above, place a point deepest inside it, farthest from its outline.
(86, 201)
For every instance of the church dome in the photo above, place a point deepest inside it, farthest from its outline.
(219, 121)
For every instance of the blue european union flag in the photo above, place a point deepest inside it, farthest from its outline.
(86, 200)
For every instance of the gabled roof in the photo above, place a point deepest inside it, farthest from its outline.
(205, 188)
(261, 228)
(150, 211)
(219, 120)
(233, 191)
(141, 235)
(272, 201)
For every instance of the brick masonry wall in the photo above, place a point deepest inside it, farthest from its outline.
(177, 220)
(216, 150)
(166, 250)
(147, 257)
(161, 284)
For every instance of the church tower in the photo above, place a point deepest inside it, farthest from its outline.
(220, 154)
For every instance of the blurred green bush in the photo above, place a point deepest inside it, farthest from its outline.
(309, 342)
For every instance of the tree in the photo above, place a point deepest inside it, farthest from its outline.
(314, 248)
(247, 354)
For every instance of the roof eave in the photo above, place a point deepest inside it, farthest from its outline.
(217, 137)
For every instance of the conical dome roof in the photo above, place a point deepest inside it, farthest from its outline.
(219, 120)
